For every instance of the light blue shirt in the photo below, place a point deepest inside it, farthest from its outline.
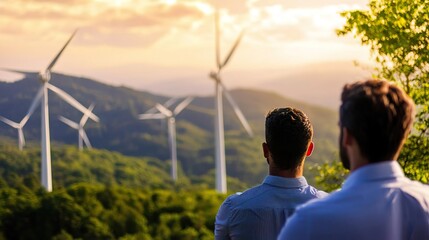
(377, 202)
(260, 212)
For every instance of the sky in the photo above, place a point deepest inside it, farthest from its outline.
(168, 47)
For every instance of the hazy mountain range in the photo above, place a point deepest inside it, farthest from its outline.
(316, 83)
(121, 130)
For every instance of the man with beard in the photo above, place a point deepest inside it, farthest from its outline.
(377, 201)
(260, 212)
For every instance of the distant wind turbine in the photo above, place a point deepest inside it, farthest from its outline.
(20, 125)
(45, 77)
(83, 138)
(164, 112)
(219, 126)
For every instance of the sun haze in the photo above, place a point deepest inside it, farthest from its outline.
(155, 44)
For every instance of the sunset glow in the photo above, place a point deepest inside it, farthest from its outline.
(169, 2)
(164, 40)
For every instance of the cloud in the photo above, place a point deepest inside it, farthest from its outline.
(145, 22)
(304, 4)
(232, 6)
(277, 22)
(138, 19)
(62, 2)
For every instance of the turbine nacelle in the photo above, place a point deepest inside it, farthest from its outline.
(215, 76)
(167, 113)
(164, 112)
(44, 76)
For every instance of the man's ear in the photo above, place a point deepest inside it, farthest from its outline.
(266, 150)
(310, 149)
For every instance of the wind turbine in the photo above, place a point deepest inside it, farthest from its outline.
(79, 127)
(164, 112)
(42, 97)
(220, 89)
(20, 125)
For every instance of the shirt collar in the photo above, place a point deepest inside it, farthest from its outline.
(374, 172)
(285, 182)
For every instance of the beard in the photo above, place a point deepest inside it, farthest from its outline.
(345, 160)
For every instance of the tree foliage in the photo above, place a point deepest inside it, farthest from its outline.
(86, 211)
(21, 169)
(104, 195)
(329, 176)
(397, 33)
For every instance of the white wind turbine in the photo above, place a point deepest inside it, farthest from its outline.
(164, 112)
(20, 125)
(219, 126)
(42, 96)
(83, 138)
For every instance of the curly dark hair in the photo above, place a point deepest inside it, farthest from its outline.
(288, 133)
(379, 115)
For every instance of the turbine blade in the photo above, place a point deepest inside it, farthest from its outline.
(183, 105)
(217, 39)
(9, 122)
(51, 65)
(70, 100)
(164, 110)
(85, 138)
(170, 102)
(33, 106)
(237, 111)
(147, 116)
(86, 115)
(18, 71)
(69, 122)
(21, 138)
(167, 104)
(234, 47)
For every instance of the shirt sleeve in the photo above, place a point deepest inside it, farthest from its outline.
(222, 221)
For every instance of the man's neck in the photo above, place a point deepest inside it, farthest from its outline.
(295, 173)
(357, 161)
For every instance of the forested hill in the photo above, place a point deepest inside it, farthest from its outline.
(100, 195)
(121, 130)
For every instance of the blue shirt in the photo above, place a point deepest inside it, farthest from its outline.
(260, 212)
(376, 202)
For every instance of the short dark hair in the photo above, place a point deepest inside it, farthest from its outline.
(288, 133)
(379, 115)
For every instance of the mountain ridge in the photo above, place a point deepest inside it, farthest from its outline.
(121, 130)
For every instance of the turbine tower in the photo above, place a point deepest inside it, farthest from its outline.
(220, 89)
(20, 125)
(83, 138)
(42, 97)
(164, 112)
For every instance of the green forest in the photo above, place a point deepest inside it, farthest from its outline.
(91, 211)
(100, 194)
